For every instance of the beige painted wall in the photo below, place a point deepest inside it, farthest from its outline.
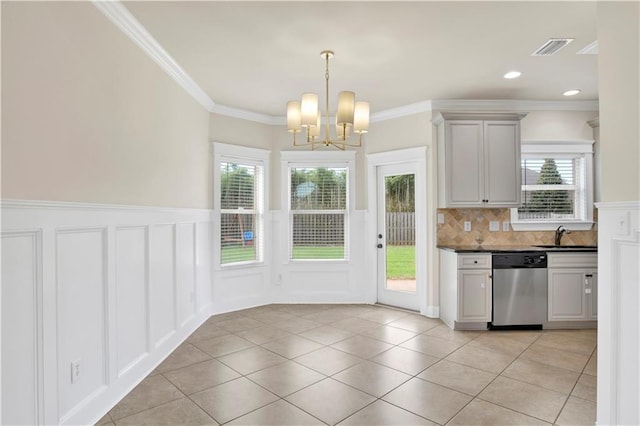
(403, 132)
(557, 125)
(619, 81)
(236, 131)
(88, 117)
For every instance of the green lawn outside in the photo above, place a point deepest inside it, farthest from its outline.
(400, 259)
(243, 254)
(401, 262)
(318, 252)
(237, 254)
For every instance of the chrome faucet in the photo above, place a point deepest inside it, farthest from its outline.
(559, 233)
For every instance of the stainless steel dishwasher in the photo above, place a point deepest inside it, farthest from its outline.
(519, 290)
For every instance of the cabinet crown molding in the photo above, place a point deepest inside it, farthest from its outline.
(439, 117)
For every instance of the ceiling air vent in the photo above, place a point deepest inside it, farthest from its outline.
(552, 46)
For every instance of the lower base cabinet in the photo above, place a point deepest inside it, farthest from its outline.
(474, 295)
(465, 290)
(573, 287)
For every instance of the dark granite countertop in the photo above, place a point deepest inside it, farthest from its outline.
(504, 249)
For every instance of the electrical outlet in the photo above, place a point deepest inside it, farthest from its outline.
(505, 226)
(440, 218)
(75, 371)
(494, 226)
(467, 226)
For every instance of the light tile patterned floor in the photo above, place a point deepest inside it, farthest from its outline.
(365, 365)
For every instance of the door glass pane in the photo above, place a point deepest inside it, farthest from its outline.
(400, 214)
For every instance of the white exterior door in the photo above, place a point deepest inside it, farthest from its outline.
(396, 235)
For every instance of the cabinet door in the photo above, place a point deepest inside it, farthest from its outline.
(502, 163)
(474, 296)
(592, 284)
(567, 299)
(464, 163)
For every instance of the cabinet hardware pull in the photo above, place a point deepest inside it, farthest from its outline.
(589, 275)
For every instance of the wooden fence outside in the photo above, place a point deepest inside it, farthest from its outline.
(401, 228)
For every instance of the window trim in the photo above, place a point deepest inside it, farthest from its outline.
(226, 153)
(316, 159)
(558, 148)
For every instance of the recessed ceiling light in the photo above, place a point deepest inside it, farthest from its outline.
(572, 92)
(512, 74)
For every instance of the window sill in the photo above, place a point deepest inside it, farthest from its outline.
(240, 265)
(318, 261)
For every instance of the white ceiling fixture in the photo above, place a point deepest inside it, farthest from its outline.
(512, 74)
(305, 115)
(572, 92)
(552, 46)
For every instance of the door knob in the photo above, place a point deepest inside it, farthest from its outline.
(379, 245)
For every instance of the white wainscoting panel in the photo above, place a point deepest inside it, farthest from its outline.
(21, 328)
(111, 288)
(163, 283)
(321, 282)
(618, 315)
(82, 295)
(132, 296)
(185, 272)
(317, 280)
(239, 288)
(204, 289)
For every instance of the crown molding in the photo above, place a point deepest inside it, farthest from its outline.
(248, 115)
(117, 13)
(511, 105)
(120, 16)
(403, 111)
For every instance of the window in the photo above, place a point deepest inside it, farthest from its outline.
(319, 202)
(240, 202)
(556, 186)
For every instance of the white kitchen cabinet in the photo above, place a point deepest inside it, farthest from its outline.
(474, 296)
(573, 287)
(478, 159)
(465, 289)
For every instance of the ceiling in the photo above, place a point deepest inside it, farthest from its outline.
(255, 56)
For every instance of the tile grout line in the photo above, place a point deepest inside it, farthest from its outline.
(326, 309)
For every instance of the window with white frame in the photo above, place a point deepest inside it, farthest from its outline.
(318, 203)
(557, 186)
(240, 201)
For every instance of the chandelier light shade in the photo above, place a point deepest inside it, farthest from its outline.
(309, 108)
(294, 118)
(305, 116)
(361, 117)
(346, 105)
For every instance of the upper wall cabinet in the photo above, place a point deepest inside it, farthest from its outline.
(478, 159)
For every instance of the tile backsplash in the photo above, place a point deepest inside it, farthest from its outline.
(452, 232)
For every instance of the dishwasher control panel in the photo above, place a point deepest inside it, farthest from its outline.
(519, 260)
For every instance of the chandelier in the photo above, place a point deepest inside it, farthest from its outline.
(305, 116)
